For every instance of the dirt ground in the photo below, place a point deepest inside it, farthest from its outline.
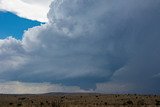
(79, 100)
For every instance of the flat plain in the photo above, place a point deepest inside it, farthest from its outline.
(79, 100)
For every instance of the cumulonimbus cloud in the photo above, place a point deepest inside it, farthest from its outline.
(89, 43)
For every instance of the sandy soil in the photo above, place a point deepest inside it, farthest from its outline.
(79, 100)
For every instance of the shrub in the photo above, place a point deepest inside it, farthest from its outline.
(56, 104)
(141, 102)
(41, 103)
(19, 104)
(105, 103)
(129, 102)
(157, 102)
(10, 103)
(23, 98)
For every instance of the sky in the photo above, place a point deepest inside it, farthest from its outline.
(12, 25)
(105, 46)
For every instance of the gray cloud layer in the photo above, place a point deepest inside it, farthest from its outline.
(90, 43)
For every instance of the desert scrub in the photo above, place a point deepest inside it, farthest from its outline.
(56, 103)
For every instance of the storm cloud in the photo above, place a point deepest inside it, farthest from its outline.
(100, 45)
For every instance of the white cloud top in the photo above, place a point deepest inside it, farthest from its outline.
(30, 9)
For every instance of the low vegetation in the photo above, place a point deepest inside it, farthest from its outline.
(79, 100)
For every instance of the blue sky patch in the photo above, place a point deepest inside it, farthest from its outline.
(12, 25)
